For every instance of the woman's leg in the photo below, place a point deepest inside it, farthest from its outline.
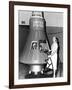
(54, 73)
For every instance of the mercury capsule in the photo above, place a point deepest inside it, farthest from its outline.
(34, 51)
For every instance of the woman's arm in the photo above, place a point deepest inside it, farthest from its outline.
(52, 53)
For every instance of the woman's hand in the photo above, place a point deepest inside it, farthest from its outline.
(49, 56)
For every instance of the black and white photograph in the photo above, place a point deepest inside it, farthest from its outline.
(41, 44)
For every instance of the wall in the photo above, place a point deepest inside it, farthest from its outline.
(4, 46)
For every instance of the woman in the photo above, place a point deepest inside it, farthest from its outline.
(54, 49)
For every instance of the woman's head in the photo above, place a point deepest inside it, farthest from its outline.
(54, 39)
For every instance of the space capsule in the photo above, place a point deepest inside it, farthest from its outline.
(34, 53)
